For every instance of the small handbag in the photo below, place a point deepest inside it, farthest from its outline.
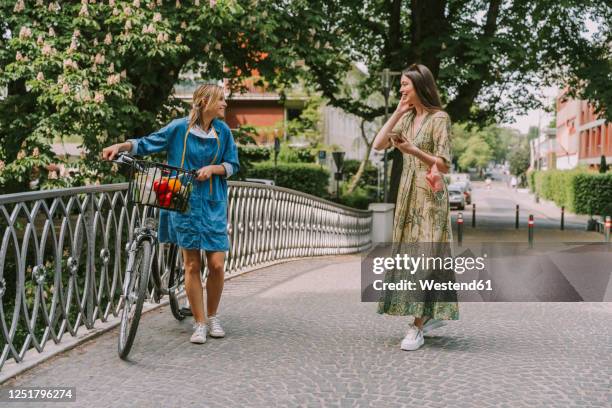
(434, 179)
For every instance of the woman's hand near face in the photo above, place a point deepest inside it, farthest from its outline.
(403, 106)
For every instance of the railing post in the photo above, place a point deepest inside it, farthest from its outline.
(530, 225)
(473, 215)
(516, 218)
(607, 227)
(91, 264)
(460, 228)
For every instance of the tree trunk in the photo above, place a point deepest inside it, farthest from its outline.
(364, 162)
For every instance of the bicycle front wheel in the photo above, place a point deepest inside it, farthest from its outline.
(134, 294)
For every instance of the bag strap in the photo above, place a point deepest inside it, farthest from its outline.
(214, 158)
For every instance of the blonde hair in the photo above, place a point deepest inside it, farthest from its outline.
(203, 98)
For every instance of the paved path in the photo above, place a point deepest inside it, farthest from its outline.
(299, 336)
(496, 208)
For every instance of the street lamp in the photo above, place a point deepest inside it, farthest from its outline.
(339, 160)
(386, 82)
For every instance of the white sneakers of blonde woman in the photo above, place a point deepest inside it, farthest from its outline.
(201, 330)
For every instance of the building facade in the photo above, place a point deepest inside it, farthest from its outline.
(581, 137)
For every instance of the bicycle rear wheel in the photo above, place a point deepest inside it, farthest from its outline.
(176, 281)
(134, 295)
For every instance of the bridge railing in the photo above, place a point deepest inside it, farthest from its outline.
(62, 252)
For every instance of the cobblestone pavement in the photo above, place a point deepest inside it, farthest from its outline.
(297, 335)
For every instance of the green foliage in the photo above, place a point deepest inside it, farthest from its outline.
(290, 154)
(580, 191)
(477, 153)
(102, 71)
(519, 158)
(369, 177)
(245, 135)
(305, 177)
(603, 166)
(361, 197)
(307, 125)
(254, 153)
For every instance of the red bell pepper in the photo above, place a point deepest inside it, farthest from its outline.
(165, 200)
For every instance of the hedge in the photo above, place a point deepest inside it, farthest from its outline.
(253, 153)
(306, 177)
(580, 191)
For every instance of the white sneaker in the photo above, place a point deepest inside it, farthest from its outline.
(431, 324)
(199, 333)
(216, 330)
(413, 340)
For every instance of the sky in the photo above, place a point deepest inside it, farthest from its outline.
(535, 116)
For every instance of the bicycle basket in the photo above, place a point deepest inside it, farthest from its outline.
(160, 185)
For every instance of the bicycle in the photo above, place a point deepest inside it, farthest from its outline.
(153, 185)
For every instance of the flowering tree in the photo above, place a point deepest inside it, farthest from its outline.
(105, 70)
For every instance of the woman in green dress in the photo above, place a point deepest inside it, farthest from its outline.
(420, 129)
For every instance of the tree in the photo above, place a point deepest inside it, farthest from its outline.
(105, 71)
(477, 154)
(533, 133)
(603, 166)
(485, 55)
(519, 158)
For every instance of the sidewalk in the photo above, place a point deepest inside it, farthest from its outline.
(298, 335)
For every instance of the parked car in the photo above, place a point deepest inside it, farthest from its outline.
(456, 199)
(466, 187)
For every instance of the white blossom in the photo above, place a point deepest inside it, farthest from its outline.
(111, 67)
(178, 4)
(19, 56)
(183, 25)
(40, 3)
(98, 97)
(157, 17)
(40, 40)
(212, 3)
(40, 76)
(19, 6)
(84, 12)
(128, 25)
(136, 3)
(179, 39)
(196, 3)
(99, 59)
(51, 32)
(65, 89)
(47, 49)
(25, 33)
(111, 3)
(108, 39)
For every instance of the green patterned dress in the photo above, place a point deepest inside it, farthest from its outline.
(422, 220)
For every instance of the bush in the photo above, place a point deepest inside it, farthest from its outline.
(254, 153)
(305, 177)
(360, 198)
(579, 191)
(290, 154)
(369, 176)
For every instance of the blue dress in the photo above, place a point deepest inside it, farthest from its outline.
(204, 225)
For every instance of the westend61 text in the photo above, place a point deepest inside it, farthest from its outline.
(433, 285)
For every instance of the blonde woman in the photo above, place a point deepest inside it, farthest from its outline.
(203, 142)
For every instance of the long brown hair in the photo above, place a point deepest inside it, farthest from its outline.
(425, 86)
(203, 98)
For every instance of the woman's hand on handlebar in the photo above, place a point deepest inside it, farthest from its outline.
(110, 152)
